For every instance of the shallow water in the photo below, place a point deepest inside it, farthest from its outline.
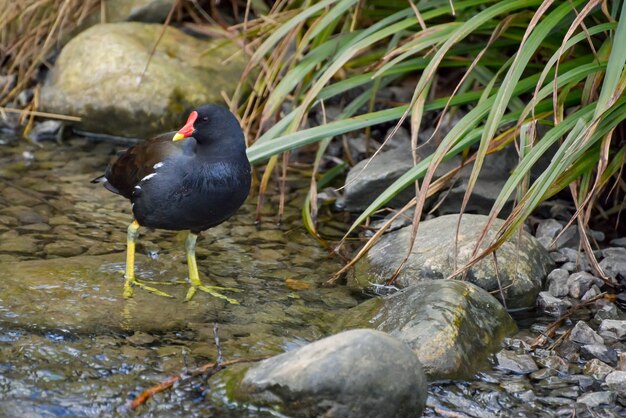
(70, 345)
(61, 364)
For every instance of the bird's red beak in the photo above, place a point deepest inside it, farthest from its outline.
(187, 130)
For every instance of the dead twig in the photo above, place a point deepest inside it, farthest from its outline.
(541, 339)
(41, 114)
(209, 368)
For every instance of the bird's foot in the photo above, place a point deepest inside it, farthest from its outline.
(213, 291)
(132, 281)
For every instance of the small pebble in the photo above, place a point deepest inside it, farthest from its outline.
(595, 399)
(552, 306)
(616, 381)
(599, 351)
(597, 369)
(613, 329)
(516, 363)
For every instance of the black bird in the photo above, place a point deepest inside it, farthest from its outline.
(193, 179)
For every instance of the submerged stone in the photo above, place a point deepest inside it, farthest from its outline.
(452, 326)
(522, 263)
(355, 373)
(84, 294)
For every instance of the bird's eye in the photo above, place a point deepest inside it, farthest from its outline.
(205, 119)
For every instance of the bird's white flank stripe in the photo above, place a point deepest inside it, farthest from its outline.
(157, 165)
(148, 177)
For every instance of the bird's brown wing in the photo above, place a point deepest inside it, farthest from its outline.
(137, 162)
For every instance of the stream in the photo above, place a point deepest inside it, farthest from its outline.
(71, 345)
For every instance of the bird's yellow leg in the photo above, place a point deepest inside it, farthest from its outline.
(129, 275)
(194, 277)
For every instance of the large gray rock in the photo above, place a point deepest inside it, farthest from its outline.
(355, 373)
(522, 266)
(452, 326)
(96, 77)
(370, 177)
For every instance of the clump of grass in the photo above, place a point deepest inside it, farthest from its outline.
(523, 63)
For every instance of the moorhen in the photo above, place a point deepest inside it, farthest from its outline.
(193, 179)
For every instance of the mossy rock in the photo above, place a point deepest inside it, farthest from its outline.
(451, 326)
(97, 78)
(522, 262)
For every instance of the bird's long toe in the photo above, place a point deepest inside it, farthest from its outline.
(131, 282)
(213, 291)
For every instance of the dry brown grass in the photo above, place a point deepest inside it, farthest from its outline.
(29, 30)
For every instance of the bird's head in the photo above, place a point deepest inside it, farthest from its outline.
(210, 123)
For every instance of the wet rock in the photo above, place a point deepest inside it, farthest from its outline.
(522, 266)
(554, 363)
(8, 221)
(516, 363)
(61, 220)
(106, 248)
(614, 252)
(46, 130)
(370, 177)
(558, 257)
(584, 382)
(613, 329)
(63, 249)
(20, 198)
(583, 334)
(590, 294)
(25, 215)
(34, 228)
(542, 374)
(568, 237)
(493, 175)
(352, 374)
(616, 381)
(575, 257)
(96, 77)
(514, 387)
(597, 369)
(620, 242)
(557, 283)
(566, 392)
(596, 399)
(84, 294)
(452, 326)
(141, 338)
(609, 311)
(547, 231)
(571, 267)
(552, 306)
(18, 245)
(579, 283)
(614, 265)
(599, 351)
